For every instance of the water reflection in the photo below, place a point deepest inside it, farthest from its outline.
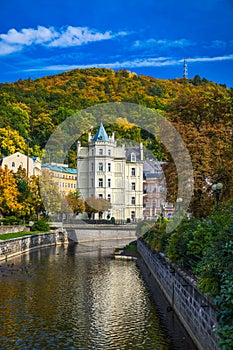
(78, 298)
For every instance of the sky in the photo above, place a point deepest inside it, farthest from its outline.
(149, 37)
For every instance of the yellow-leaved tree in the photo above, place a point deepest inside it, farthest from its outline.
(9, 193)
(11, 142)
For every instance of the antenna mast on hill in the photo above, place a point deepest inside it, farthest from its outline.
(185, 72)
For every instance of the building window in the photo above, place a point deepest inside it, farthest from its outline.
(13, 164)
(133, 187)
(100, 151)
(74, 186)
(153, 188)
(109, 182)
(92, 152)
(133, 200)
(133, 171)
(101, 167)
(100, 182)
(109, 197)
(133, 157)
(92, 183)
(92, 167)
(109, 166)
(160, 188)
(100, 195)
(109, 152)
(132, 215)
(145, 189)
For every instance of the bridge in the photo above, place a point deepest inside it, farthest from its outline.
(85, 232)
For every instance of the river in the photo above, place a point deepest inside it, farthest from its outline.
(79, 297)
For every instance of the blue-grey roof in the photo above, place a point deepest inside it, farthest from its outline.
(130, 150)
(60, 169)
(101, 135)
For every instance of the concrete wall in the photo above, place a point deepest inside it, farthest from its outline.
(90, 233)
(16, 246)
(195, 311)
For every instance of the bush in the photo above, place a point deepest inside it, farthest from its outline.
(41, 225)
(11, 220)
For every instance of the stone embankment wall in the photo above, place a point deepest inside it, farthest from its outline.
(16, 246)
(194, 310)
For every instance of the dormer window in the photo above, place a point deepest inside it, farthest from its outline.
(133, 157)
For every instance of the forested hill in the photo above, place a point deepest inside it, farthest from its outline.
(200, 110)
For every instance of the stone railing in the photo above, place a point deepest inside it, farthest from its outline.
(194, 310)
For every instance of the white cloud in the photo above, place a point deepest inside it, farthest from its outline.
(29, 36)
(136, 63)
(64, 37)
(216, 44)
(6, 49)
(211, 59)
(75, 36)
(162, 43)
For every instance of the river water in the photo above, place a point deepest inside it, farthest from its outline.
(80, 298)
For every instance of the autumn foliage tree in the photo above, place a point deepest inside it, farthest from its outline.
(9, 193)
(96, 205)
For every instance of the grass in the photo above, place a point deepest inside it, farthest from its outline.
(18, 234)
(132, 247)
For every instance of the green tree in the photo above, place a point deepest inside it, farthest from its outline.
(75, 202)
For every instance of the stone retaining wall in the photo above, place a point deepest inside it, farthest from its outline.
(195, 311)
(16, 246)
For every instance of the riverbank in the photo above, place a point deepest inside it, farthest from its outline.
(16, 246)
(194, 310)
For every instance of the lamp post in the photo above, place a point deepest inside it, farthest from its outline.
(179, 201)
(217, 189)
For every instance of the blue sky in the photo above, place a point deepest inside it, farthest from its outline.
(149, 37)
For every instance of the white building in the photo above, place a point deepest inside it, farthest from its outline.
(14, 161)
(107, 170)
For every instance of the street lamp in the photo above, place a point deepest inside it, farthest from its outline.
(179, 201)
(217, 189)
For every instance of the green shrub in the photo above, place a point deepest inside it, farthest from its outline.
(11, 220)
(41, 225)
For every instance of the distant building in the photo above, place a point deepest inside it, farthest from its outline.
(115, 173)
(65, 177)
(31, 165)
(154, 191)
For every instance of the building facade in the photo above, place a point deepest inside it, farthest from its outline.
(154, 191)
(14, 161)
(115, 173)
(65, 177)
